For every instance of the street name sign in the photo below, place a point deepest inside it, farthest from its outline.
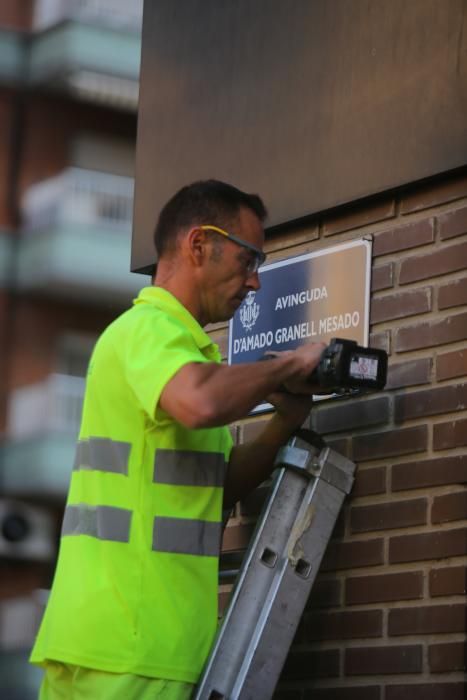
(308, 298)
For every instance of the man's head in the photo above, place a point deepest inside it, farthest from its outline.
(211, 235)
(208, 202)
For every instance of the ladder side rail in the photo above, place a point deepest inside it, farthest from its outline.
(265, 658)
(254, 579)
(294, 529)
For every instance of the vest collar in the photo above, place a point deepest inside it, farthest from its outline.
(166, 301)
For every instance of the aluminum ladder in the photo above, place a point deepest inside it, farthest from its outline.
(278, 571)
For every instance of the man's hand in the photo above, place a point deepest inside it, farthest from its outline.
(309, 356)
(251, 463)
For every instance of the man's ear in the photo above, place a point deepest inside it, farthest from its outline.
(196, 243)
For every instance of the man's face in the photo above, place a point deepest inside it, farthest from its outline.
(227, 271)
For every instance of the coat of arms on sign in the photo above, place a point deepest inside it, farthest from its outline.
(249, 311)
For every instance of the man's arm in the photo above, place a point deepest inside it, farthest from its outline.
(204, 395)
(251, 463)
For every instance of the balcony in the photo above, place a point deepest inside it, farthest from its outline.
(20, 619)
(77, 238)
(90, 48)
(12, 57)
(43, 425)
(6, 248)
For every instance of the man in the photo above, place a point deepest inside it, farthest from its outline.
(133, 607)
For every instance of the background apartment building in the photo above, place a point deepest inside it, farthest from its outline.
(68, 102)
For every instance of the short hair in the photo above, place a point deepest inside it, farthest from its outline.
(203, 202)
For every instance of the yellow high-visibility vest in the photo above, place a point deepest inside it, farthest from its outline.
(135, 589)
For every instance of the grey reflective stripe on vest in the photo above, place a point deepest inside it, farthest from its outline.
(102, 454)
(103, 522)
(189, 468)
(182, 536)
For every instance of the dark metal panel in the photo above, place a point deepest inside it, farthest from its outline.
(310, 103)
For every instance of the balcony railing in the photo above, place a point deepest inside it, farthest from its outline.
(51, 406)
(116, 13)
(77, 238)
(19, 622)
(12, 56)
(90, 48)
(43, 424)
(6, 252)
(79, 196)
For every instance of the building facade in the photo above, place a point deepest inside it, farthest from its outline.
(68, 102)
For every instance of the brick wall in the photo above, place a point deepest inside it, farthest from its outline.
(386, 619)
(16, 14)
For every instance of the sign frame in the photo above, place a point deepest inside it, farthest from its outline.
(366, 242)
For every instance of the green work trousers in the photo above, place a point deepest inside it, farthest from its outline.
(68, 682)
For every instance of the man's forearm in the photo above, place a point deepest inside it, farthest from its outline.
(252, 463)
(205, 395)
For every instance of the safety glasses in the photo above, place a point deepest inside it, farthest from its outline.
(255, 261)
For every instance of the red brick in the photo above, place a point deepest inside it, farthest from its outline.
(400, 305)
(16, 15)
(359, 624)
(287, 694)
(223, 601)
(450, 507)
(453, 223)
(440, 262)
(358, 215)
(381, 341)
(453, 294)
(236, 537)
(349, 555)
(426, 335)
(447, 657)
(253, 503)
(383, 588)
(326, 593)
(382, 277)
(390, 443)
(430, 472)
(432, 545)
(234, 431)
(431, 194)
(304, 664)
(367, 692)
(426, 691)
(340, 445)
(252, 429)
(410, 373)
(386, 516)
(403, 237)
(449, 435)
(343, 416)
(430, 402)
(339, 528)
(21, 578)
(427, 619)
(365, 661)
(369, 482)
(448, 581)
(451, 364)
(283, 241)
